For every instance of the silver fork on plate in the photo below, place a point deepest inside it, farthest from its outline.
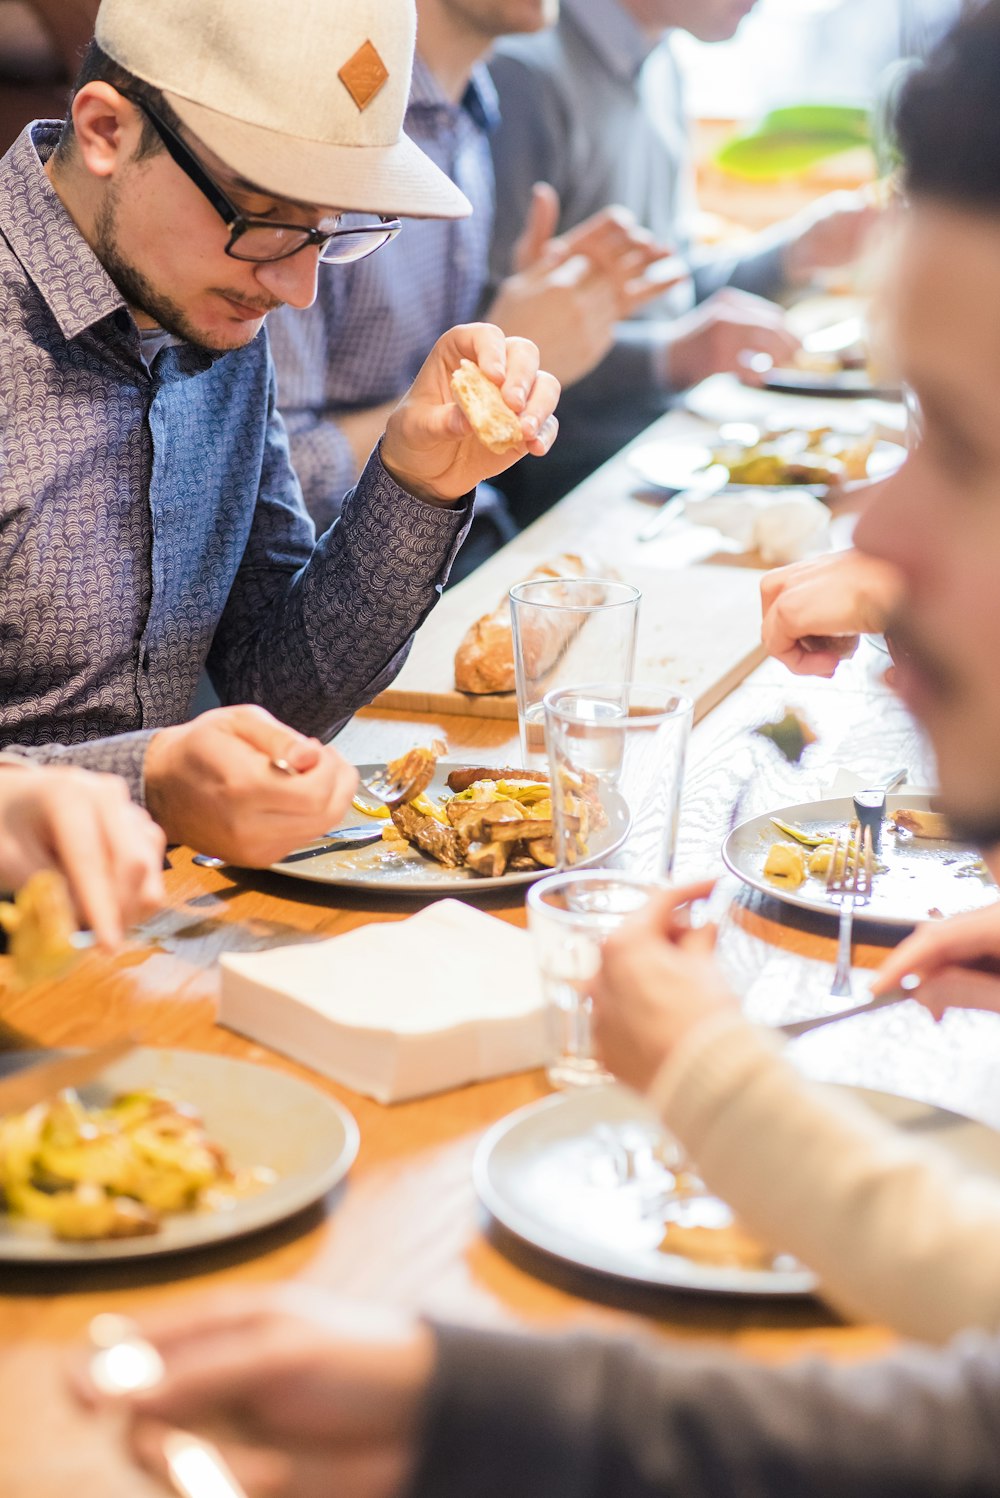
(849, 884)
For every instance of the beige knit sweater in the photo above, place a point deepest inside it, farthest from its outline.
(893, 1234)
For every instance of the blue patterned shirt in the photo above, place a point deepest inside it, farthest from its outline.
(374, 323)
(151, 524)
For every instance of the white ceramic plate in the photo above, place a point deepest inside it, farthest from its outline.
(551, 1174)
(677, 465)
(259, 1116)
(920, 876)
(381, 866)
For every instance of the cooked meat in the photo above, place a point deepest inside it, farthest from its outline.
(487, 859)
(460, 780)
(429, 835)
(415, 769)
(520, 832)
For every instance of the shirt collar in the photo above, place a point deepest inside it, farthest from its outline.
(615, 36)
(64, 269)
(479, 100)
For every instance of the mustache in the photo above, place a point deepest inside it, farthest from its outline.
(252, 306)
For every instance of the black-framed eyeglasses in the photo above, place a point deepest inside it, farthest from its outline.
(261, 240)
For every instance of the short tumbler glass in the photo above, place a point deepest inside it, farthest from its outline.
(569, 916)
(620, 750)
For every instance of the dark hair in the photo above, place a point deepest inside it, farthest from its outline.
(948, 119)
(96, 67)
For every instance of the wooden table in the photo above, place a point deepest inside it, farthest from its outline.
(405, 1225)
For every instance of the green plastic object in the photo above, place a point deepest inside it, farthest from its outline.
(788, 141)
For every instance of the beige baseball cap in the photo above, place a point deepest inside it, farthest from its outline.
(303, 98)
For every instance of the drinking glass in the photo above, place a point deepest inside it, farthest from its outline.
(567, 629)
(616, 765)
(569, 916)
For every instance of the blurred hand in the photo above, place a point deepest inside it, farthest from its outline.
(723, 334)
(210, 783)
(943, 954)
(305, 1395)
(833, 231)
(430, 448)
(570, 291)
(658, 980)
(86, 826)
(815, 611)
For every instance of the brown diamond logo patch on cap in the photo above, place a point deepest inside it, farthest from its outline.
(363, 75)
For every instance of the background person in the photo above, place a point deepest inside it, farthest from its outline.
(343, 363)
(595, 109)
(154, 524)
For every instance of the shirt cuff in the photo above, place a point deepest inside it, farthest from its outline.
(122, 755)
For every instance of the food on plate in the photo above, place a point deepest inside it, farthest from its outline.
(494, 822)
(415, 769)
(790, 734)
(726, 1246)
(791, 456)
(484, 661)
(924, 824)
(40, 927)
(786, 865)
(116, 1171)
(492, 420)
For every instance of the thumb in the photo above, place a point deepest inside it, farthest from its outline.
(540, 226)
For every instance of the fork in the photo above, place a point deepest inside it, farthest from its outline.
(398, 781)
(848, 883)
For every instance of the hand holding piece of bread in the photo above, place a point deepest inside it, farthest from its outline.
(494, 423)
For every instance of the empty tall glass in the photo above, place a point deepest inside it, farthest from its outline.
(567, 630)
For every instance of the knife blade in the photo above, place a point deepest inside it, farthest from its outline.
(710, 482)
(36, 1083)
(337, 842)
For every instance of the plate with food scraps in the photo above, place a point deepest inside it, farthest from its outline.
(921, 873)
(790, 458)
(209, 1149)
(593, 1179)
(399, 867)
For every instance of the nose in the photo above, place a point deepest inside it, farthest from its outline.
(292, 281)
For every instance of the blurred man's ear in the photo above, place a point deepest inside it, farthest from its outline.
(107, 128)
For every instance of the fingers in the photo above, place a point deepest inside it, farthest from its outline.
(541, 225)
(959, 988)
(942, 944)
(272, 738)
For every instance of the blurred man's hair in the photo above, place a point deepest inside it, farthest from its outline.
(98, 67)
(949, 116)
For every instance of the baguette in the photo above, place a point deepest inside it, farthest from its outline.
(484, 661)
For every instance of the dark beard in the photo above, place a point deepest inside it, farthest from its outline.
(137, 290)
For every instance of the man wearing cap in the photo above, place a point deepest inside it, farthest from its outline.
(151, 522)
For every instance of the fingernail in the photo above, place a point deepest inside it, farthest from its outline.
(529, 425)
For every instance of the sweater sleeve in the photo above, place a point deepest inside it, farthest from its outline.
(583, 1417)
(892, 1231)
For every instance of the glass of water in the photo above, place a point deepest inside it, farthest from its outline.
(616, 765)
(569, 916)
(567, 629)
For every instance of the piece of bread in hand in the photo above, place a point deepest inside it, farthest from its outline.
(492, 420)
(484, 660)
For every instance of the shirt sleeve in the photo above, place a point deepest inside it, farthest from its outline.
(580, 1417)
(313, 629)
(890, 1228)
(124, 755)
(530, 144)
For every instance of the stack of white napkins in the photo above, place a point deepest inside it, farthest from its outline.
(397, 1010)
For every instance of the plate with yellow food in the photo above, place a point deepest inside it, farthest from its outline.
(471, 828)
(593, 1179)
(920, 871)
(166, 1152)
(820, 460)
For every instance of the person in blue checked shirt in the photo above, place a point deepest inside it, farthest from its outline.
(150, 520)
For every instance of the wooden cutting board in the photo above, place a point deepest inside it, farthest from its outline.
(699, 630)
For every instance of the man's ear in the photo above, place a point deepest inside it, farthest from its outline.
(107, 128)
